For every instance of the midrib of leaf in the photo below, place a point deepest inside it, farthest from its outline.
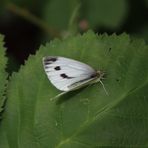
(82, 143)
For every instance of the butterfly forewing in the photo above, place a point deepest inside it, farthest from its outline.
(64, 73)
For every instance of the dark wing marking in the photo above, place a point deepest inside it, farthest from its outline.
(63, 75)
(57, 68)
(49, 60)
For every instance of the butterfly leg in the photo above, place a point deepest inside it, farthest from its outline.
(104, 88)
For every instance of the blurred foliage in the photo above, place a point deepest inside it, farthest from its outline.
(105, 13)
(34, 6)
(53, 16)
(97, 13)
(61, 10)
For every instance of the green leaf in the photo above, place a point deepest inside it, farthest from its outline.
(98, 13)
(3, 74)
(85, 118)
(104, 13)
(3, 138)
(3, 81)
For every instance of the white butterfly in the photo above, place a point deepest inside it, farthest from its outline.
(68, 74)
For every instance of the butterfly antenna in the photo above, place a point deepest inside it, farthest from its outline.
(104, 87)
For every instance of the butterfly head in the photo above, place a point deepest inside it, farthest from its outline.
(100, 74)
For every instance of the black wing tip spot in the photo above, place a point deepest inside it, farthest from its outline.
(63, 75)
(57, 68)
(49, 60)
(53, 59)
